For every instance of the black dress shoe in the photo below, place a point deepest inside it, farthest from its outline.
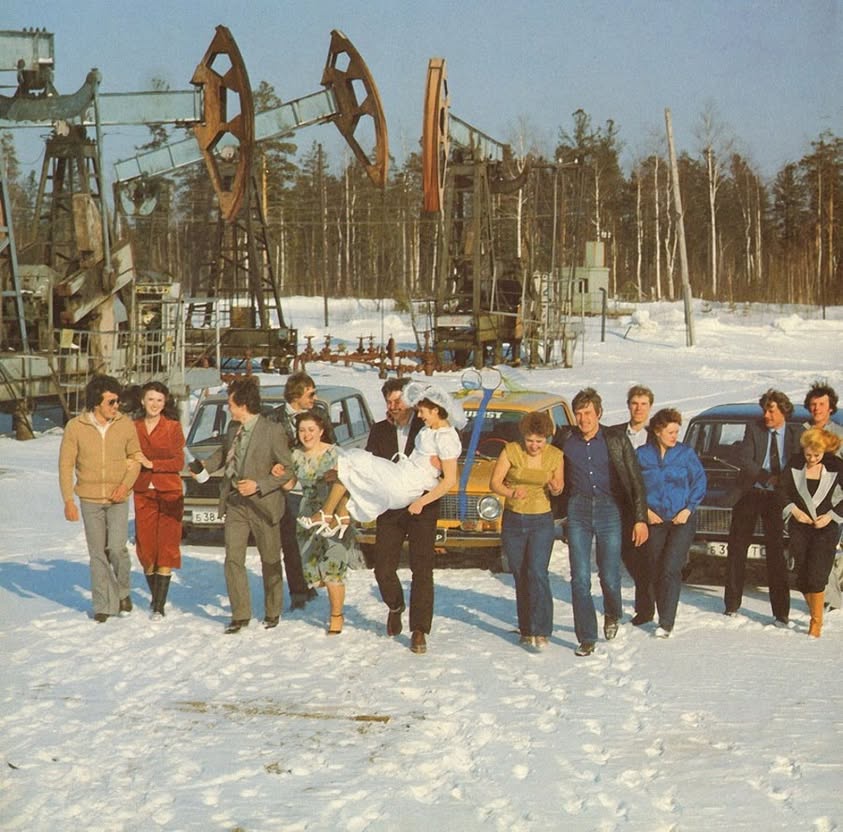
(237, 625)
(269, 622)
(100, 617)
(298, 600)
(639, 618)
(585, 649)
(126, 604)
(393, 622)
(418, 643)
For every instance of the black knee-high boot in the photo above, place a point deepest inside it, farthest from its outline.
(151, 580)
(162, 586)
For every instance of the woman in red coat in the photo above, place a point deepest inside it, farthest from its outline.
(159, 499)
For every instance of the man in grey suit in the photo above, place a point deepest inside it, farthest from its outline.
(761, 456)
(252, 501)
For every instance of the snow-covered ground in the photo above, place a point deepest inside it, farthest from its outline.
(134, 725)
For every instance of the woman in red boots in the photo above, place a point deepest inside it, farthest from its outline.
(811, 492)
(159, 499)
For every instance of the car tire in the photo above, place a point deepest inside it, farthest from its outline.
(497, 562)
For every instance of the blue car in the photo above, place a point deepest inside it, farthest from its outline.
(715, 435)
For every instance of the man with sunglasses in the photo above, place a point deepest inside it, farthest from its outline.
(97, 462)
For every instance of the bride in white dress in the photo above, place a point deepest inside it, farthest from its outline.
(375, 484)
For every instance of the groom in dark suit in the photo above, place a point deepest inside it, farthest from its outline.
(765, 449)
(393, 435)
(251, 500)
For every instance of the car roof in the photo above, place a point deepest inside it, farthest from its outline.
(750, 411)
(520, 401)
(274, 394)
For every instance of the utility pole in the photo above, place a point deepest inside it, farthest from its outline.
(680, 225)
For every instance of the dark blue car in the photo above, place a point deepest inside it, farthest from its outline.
(715, 435)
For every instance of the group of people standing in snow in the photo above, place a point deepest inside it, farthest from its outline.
(409, 463)
(632, 491)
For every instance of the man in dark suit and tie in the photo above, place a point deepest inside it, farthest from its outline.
(397, 435)
(299, 397)
(251, 500)
(766, 446)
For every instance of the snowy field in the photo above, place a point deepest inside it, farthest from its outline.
(134, 725)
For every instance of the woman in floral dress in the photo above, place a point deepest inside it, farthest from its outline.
(325, 560)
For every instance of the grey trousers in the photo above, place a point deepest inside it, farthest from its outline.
(106, 531)
(833, 595)
(241, 519)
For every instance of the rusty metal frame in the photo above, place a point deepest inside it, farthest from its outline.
(349, 110)
(435, 135)
(216, 88)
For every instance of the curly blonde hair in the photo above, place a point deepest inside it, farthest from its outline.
(819, 440)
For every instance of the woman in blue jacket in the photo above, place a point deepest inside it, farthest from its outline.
(675, 482)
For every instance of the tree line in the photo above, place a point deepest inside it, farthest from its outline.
(331, 233)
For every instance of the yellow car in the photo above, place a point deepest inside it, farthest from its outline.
(469, 527)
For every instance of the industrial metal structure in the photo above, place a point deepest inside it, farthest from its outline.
(72, 303)
(486, 301)
(242, 289)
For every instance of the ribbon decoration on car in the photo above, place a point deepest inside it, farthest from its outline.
(488, 379)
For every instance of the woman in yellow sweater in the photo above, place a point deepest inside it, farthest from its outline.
(526, 474)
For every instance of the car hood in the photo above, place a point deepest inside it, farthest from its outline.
(479, 476)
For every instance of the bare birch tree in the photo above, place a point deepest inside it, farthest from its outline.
(715, 146)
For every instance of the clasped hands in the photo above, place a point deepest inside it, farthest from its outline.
(679, 520)
(803, 517)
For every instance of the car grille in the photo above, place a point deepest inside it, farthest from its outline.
(711, 521)
(209, 490)
(449, 507)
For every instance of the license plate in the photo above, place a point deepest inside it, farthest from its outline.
(206, 517)
(721, 550)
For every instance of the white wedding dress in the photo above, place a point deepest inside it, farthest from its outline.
(375, 484)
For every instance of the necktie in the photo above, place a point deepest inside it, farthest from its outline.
(231, 456)
(775, 459)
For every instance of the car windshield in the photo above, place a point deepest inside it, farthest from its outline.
(211, 421)
(496, 429)
(718, 439)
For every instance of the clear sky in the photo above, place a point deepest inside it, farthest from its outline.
(772, 68)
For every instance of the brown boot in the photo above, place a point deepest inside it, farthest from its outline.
(815, 606)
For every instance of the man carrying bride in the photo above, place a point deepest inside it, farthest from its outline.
(371, 486)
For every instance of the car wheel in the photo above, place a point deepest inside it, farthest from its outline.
(496, 561)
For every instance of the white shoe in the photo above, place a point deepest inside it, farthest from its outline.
(662, 633)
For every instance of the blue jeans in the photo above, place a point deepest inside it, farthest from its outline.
(527, 541)
(594, 518)
(667, 550)
(106, 532)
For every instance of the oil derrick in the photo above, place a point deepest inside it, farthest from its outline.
(479, 289)
(70, 272)
(242, 286)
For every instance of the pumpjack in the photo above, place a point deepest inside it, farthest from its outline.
(480, 288)
(243, 274)
(61, 307)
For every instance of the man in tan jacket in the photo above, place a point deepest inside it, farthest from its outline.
(99, 447)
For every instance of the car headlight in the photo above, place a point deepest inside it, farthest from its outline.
(489, 507)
